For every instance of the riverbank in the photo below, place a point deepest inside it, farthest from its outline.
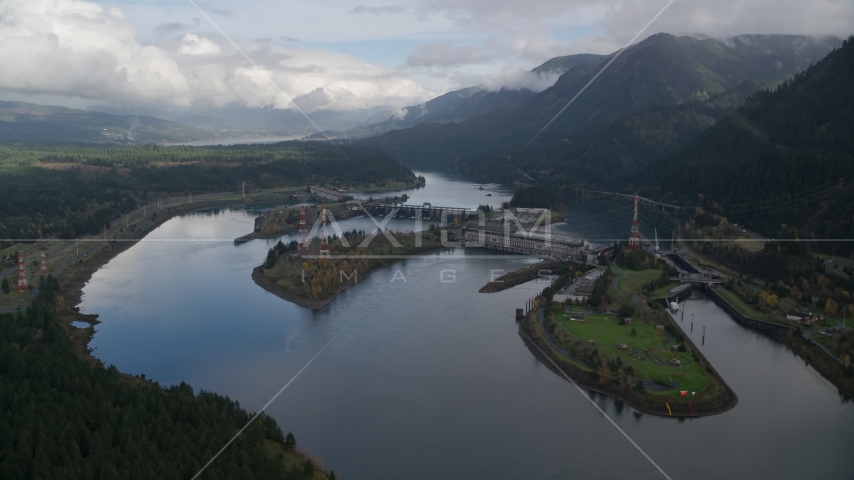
(284, 220)
(312, 284)
(818, 359)
(718, 399)
(518, 277)
(74, 278)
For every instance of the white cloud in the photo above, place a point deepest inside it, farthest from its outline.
(193, 44)
(380, 10)
(448, 55)
(78, 49)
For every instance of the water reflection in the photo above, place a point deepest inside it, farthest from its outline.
(432, 379)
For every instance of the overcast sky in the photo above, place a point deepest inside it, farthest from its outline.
(340, 54)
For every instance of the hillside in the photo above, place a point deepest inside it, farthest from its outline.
(604, 152)
(453, 106)
(561, 65)
(70, 191)
(465, 103)
(28, 122)
(660, 71)
(778, 160)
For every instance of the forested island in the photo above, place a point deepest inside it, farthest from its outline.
(313, 282)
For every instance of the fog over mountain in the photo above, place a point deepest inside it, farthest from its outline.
(357, 59)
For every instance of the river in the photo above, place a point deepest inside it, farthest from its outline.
(426, 379)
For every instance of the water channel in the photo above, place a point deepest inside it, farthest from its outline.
(428, 379)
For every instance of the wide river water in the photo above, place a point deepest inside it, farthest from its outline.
(425, 379)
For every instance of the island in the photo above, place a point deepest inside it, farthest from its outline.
(312, 282)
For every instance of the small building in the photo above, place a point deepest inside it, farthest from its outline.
(675, 362)
(675, 347)
(622, 346)
(799, 314)
(591, 342)
(627, 321)
(659, 329)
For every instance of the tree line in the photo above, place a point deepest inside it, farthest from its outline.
(68, 418)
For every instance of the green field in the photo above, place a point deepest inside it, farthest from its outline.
(607, 332)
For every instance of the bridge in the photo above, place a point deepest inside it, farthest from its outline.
(702, 278)
(446, 215)
(642, 201)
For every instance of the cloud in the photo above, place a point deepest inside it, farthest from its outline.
(379, 10)
(445, 55)
(288, 39)
(175, 27)
(78, 49)
(193, 44)
(313, 100)
(215, 11)
(169, 28)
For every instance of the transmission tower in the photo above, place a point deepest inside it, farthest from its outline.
(302, 238)
(22, 277)
(324, 240)
(634, 236)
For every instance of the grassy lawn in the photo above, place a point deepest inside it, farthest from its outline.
(633, 281)
(836, 260)
(663, 290)
(740, 304)
(13, 249)
(607, 332)
(748, 243)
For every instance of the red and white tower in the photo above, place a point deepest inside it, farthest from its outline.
(634, 236)
(43, 267)
(302, 239)
(324, 240)
(22, 277)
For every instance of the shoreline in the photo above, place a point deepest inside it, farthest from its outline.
(588, 380)
(819, 360)
(270, 286)
(518, 277)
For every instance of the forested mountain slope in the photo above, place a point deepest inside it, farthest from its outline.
(779, 159)
(660, 71)
(28, 122)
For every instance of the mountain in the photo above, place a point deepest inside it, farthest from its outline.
(28, 122)
(560, 65)
(785, 157)
(454, 106)
(459, 105)
(660, 71)
(187, 118)
(603, 152)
